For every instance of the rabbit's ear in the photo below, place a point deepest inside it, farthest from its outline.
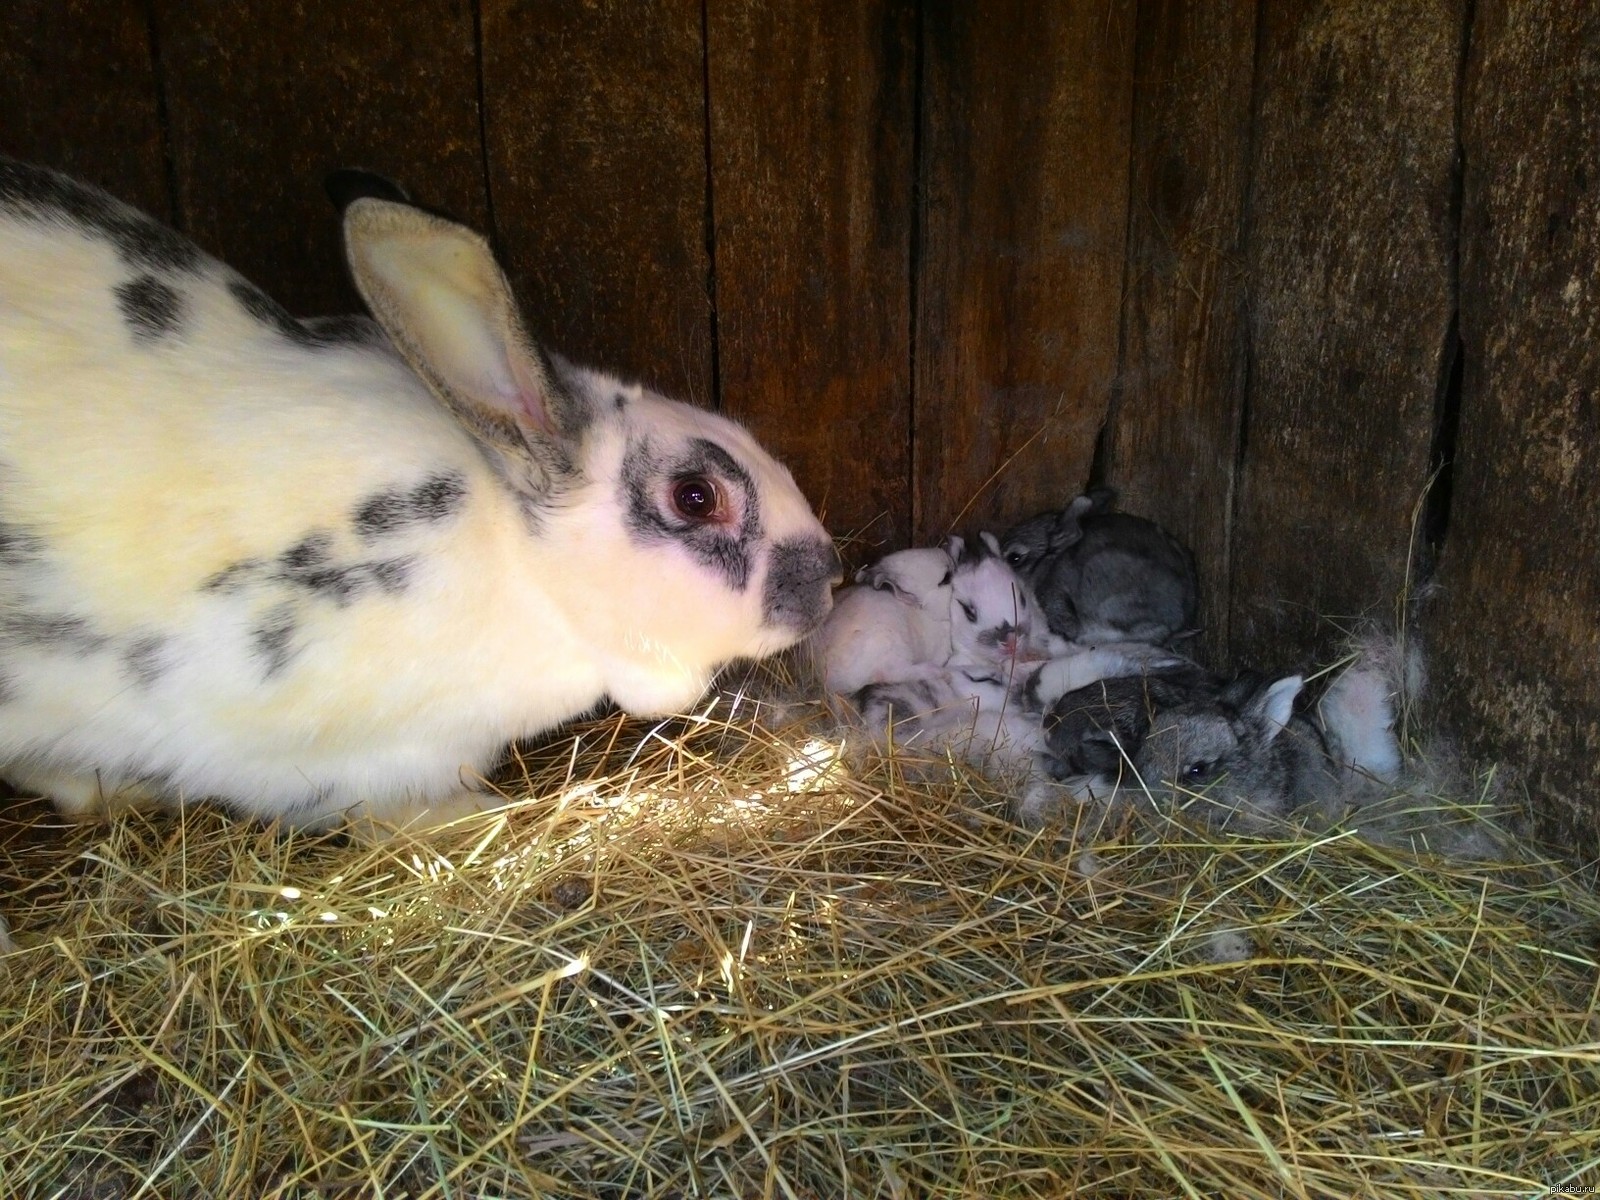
(1067, 531)
(437, 291)
(883, 578)
(1273, 707)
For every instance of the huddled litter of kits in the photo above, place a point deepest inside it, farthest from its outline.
(1053, 654)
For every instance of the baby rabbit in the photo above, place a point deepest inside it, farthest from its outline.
(333, 568)
(891, 626)
(992, 612)
(967, 713)
(914, 611)
(1104, 576)
(1096, 730)
(1246, 754)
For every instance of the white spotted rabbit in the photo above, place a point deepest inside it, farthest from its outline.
(314, 571)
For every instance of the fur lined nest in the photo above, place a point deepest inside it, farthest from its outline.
(716, 959)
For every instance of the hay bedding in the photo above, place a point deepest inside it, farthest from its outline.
(697, 962)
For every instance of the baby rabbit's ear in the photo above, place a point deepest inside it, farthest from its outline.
(437, 291)
(1272, 707)
(1067, 530)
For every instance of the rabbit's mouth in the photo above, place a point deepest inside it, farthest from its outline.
(1011, 643)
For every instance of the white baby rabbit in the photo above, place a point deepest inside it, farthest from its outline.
(312, 570)
(893, 625)
(914, 611)
(994, 618)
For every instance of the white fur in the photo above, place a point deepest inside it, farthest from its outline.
(144, 470)
(893, 625)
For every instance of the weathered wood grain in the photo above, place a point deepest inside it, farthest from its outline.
(78, 92)
(1023, 219)
(595, 125)
(1350, 255)
(1174, 436)
(265, 98)
(811, 140)
(1517, 640)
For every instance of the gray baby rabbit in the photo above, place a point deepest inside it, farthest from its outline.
(1097, 729)
(1103, 576)
(1239, 758)
(1254, 749)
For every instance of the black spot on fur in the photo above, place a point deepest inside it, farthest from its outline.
(311, 567)
(311, 551)
(799, 576)
(309, 564)
(140, 241)
(144, 659)
(272, 638)
(620, 400)
(152, 309)
(434, 499)
(339, 584)
(50, 632)
(234, 576)
(438, 497)
(264, 309)
(351, 330)
(18, 546)
(381, 514)
(392, 575)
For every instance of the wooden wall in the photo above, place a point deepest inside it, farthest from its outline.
(1268, 269)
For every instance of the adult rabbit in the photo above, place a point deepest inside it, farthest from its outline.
(325, 569)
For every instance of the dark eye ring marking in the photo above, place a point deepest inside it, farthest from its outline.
(970, 609)
(665, 499)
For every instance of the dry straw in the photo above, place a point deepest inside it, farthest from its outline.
(706, 961)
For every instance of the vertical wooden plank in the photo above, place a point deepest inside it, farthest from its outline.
(1350, 252)
(78, 92)
(265, 98)
(811, 133)
(595, 124)
(1517, 639)
(1023, 221)
(1174, 436)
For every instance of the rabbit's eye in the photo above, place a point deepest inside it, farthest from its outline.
(1015, 557)
(1200, 770)
(695, 498)
(970, 610)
